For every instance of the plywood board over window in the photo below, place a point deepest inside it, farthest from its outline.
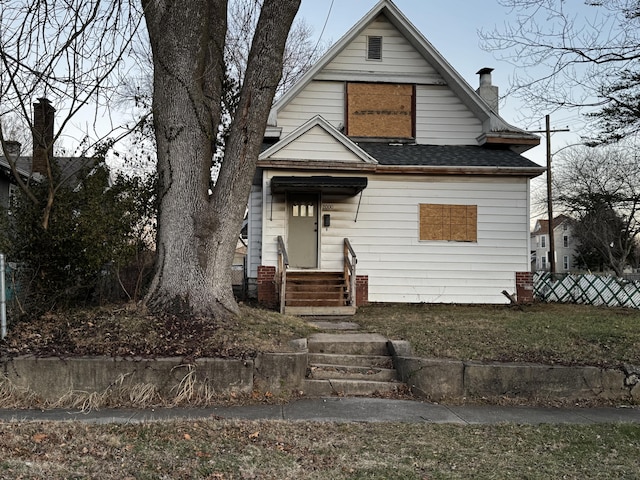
(457, 223)
(380, 110)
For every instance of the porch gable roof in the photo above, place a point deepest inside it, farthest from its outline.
(330, 135)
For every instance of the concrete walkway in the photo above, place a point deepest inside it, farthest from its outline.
(333, 409)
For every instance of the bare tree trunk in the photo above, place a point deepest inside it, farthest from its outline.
(197, 232)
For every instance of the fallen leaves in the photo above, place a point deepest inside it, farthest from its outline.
(39, 437)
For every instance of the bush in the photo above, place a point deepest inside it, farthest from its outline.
(94, 229)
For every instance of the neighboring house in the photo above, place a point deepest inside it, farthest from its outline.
(384, 144)
(8, 184)
(564, 245)
(35, 167)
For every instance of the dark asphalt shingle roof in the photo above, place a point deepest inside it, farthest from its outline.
(70, 167)
(444, 156)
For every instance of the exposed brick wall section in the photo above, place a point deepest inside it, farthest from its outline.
(524, 287)
(267, 294)
(362, 290)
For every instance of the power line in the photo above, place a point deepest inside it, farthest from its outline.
(326, 21)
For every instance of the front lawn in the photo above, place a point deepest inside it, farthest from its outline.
(541, 333)
(226, 450)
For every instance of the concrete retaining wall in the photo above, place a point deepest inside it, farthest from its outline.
(53, 378)
(438, 380)
(434, 379)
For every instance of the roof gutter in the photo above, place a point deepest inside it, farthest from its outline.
(464, 170)
(530, 172)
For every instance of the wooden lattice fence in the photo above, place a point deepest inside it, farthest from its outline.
(586, 289)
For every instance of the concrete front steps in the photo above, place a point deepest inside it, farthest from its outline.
(349, 364)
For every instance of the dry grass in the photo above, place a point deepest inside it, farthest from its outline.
(124, 393)
(130, 331)
(541, 333)
(214, 449)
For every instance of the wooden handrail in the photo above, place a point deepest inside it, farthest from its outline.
(281, 274)
(350, 261)
(282, 250)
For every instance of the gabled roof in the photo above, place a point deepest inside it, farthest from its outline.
(70, 167)
(542, 225)
(23, 166)
(317, 121)
(493, 124)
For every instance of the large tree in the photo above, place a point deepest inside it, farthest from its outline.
(198, 225)
(575, 54)
(600, 189)
(74, 51)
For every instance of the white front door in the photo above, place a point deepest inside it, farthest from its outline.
(303, 231)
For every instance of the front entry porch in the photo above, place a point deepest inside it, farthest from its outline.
(312, 292)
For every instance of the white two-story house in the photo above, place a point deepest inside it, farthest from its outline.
(386, 177)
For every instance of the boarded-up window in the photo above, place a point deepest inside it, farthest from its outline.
(380, 110)
(458, 223)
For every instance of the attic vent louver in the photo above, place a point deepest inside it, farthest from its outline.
(374, 48)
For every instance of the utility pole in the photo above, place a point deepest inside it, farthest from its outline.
(552, 245)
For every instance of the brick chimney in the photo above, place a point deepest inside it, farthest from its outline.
(43, 117)
(487, 91)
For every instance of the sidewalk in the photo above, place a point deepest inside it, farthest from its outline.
(333, 409)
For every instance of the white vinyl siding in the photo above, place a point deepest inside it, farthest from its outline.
(316, 144)
(442, 119)
(399, 57)
(400, 267)
(318, 98)
(254, 231)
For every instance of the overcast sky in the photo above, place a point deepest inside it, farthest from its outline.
(452, 27)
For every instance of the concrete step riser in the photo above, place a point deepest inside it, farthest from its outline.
(340, 372)
(374, 361)
(350, 344)
(364, 348)
(317, 388)
(319, 311)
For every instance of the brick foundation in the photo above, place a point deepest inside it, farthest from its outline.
(524, 287)
(267, 294)
(362, 290)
